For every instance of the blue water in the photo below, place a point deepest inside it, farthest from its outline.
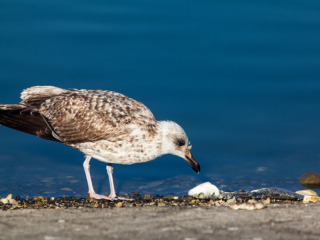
(241, 77)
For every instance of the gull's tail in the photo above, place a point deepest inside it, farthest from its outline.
(25, 119)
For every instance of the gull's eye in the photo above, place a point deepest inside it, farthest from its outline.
(180, 142)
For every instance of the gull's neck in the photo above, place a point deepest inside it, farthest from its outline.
(164, 136)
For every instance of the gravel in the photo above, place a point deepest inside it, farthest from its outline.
(276, 221)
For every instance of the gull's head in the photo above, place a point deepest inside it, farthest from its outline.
(175, 141)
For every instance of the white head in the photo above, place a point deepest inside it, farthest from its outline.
(175, 141)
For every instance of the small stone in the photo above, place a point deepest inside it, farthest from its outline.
(310, 178)
(307, 192)
(246, 206)
(252, 201)
(136, 194)
(231, 201)
(160, 204)
(39, 198)
(259, 206)
(308, 199)
(13, 202)
(93, 200)
(118, 205)
(221, 194)
(194, 202)
(147, 197)
(220, 203)
(266, 202)
(175, 198)
(9, 196)
(4, 200)
(17, 198)
(127, 196)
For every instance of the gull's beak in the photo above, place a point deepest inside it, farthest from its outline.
(192, 162)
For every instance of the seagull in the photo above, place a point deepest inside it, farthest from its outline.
(104, 125)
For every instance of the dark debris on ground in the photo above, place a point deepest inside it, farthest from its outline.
(138, 201)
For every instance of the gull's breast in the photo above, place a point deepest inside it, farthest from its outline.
(137, 150)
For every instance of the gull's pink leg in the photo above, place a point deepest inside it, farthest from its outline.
(112, 191)
(92, 193)
(110, 171)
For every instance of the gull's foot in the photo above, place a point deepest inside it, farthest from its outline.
(98, 196)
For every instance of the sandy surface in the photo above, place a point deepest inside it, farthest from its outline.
(278, 221)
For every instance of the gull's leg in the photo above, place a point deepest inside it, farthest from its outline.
(112, 191)
(92, 193)
(110, 171)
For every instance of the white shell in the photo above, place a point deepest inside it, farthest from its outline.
(204, 191)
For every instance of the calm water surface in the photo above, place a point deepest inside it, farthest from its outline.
(242, 79)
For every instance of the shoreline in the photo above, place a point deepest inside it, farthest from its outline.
(294, 220)
(137, 200)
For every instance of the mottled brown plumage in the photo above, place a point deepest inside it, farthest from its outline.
(105, 125)
(77, 116)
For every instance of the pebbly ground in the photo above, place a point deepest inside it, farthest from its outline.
(277, 221)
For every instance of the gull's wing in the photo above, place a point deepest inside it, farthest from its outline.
(25, 119)
(79, 116)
